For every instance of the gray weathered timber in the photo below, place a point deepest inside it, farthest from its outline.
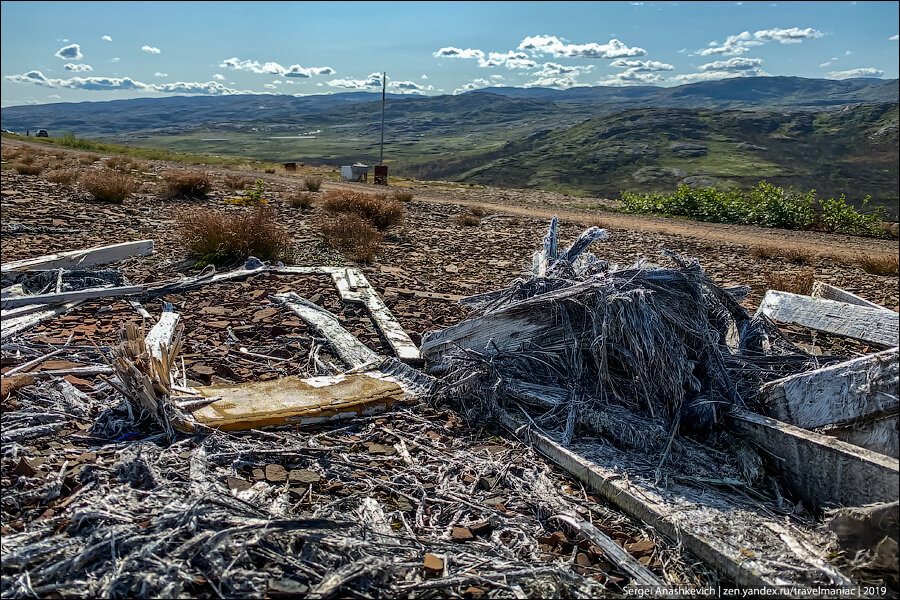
(711, 530)
(354, 287)
(823, 471)
(106, 292)
(878, 435)
(348, 348)
(830, 292)
(870, 325)
(17, 325)
(80, 259)
(160, 336)
(836, 394)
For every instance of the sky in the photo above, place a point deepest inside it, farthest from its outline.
(90, 51)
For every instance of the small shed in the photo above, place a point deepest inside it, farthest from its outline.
(355, 172)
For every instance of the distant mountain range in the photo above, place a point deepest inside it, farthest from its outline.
(834, 136)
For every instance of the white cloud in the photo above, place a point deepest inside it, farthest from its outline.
(150, 49)
(733, 44)
(78, 68)
(511, 59)
(549, 44)
(273, 68)
(55, 97)
(853, 73)
(641, 66)
(894, 38)
(158, 74)
(123, 83)
(497, 77)
(631, 77)
(115, 60)
(424, 76)
(738, 63)
(453, 52)
(218, 77)
(742, 42)
(106, 38)
(848, 52)
(550, 69)
(827, 63)
(409, 87)
(269, 86)
(472, 85)
(71, 52)
(794, 35)
(372, 81)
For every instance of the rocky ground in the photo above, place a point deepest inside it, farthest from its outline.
(234, 332)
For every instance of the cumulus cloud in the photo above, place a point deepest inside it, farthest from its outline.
(738, 63)
(631, 77)
(472, 85)
(409, 87)
(372, 81)
(70, 52)
(794, 35)
(641, 66)
(742, 42)
(827, 63)
(853, 73)
(424, 76)
(550, 44)
(894, 38)
(158, 74)
(550, 69)
(114, 60)
(106, 38)
(78, 68)
(453, 52)
(273, 68)
(211, 88)
(150, 49)
(510, 59)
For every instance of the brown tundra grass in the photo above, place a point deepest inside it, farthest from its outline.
(467, 219)
(381, 211)
(119, 163)
(799, 281)
(29, 168)
(350, 233)
(88, 159)
(219, 238)
(108, 185)
(194, 184)
(301, 200)
(64, 177)
(879, 264)
(797, 256)
(313, 184)
(236, 182)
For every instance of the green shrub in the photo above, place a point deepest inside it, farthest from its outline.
(70, 141)
(839, 217)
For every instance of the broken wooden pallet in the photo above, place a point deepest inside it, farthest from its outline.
(81, 259)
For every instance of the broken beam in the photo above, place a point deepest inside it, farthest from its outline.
(81, 259)
(160, 337)
(830, 292)
(871, 325)
(823, 471)
(90, 293)
(837, 394)
(348, 348)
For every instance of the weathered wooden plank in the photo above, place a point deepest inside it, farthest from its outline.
(91, 257)
(836, 394)
(160, 336)
(107, 292)
(823, 471)
(17, 325)
(348, 348)
(21, 311)
(830, 292)
(354, 287)
(878, 435)
(870, 325)
(295, 401)
(722, 533)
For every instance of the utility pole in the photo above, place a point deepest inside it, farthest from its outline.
(383, 91)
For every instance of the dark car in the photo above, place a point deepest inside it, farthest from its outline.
(41, 133)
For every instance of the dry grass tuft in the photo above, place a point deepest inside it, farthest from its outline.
(350, 233)
(225, 238)
(195, 184)
(799, 281)
(467, 219)
(381, 211)
(119, 163)
(9, 153)
(403, 196)
(29, 168)
(88, 159)
(797, 256)
(270, 170)
(478, 211)
(237, 182)
(27, 157)
(108, 185)
(313, 184)
(879, 264)
(64, 177)
(302, 200)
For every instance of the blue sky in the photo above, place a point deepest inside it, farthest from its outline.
(78, 51)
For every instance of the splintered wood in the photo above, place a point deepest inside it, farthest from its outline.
(295, 401)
